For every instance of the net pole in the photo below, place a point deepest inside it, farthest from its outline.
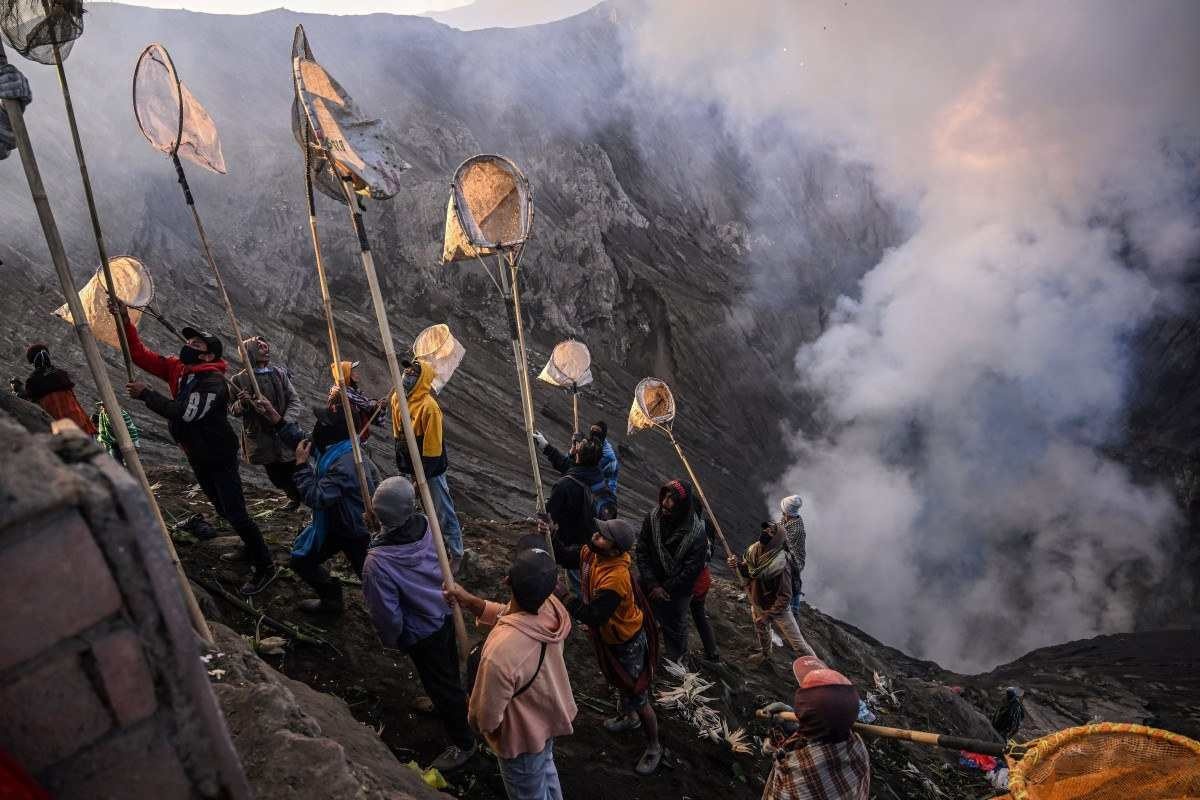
(517, 329)
(91, 350)
(91, 204)
(700, 491)
(410, 438)
(335, 353)
(903, 734)
(575, 406)
(212, 263)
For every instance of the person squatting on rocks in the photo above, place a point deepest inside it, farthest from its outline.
(196, 415)
(671, 553)
(106, 435)
(521, 699)
(402, 590)
(362, 407)
(621, 628)
(13, 86)
(590, 472)
(53, 390)
(767, 567)
(794, 535)
(571, 508)
(260, 442)
(819, 756)
(428, 427)
(327, 480)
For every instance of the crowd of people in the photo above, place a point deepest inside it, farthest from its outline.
(633, 587)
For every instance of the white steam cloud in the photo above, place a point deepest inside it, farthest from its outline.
(959, 499)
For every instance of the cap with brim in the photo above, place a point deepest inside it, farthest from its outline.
(533, 573)
(212, 342)
(619, 532)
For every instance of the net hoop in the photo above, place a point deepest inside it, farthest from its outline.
(1041, 750)
(437, 347)
(34, 30)
(569, 366)
(134, 286)
(157, 52)
(471, 222)
(653, 406)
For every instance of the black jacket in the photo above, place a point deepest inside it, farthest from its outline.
(197, 417)
(570, 508)
(690, 554)
(39, 384)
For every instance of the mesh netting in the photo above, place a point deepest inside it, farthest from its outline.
(133, 285)
(1108, 761)
(34, 27)
(491, 208)
(363, 148)
(569, 365)
(170, 117)
(437, 347)
(653, 405)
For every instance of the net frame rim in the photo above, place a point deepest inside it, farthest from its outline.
(26, 51)
(637, 397)
(1041, 749)
(170, 64)
(565, 343)
(469, 225)
(145, 271)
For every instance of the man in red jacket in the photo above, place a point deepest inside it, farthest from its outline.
(196, 414)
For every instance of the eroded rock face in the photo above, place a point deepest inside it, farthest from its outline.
(298, 744)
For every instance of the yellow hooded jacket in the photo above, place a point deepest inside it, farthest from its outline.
(427, 424)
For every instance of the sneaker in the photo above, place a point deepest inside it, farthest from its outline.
(629, 722)
(260, 578)
(198, 526)
(239, 553)
(453, 757)
(648, 763)
(319, 606)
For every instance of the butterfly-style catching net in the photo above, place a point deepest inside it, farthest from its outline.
(653, 406)
(170, 117)
(133, 286)
(569, 365)
(1107, 761)
(490, 209)
(362, 148)
(438, 348)
(35, 27)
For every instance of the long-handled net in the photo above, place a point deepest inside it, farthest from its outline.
(91, 351)
(132, 285)
(364, 166)
(653, 408)
(437, 347)
(491, 213)
(569, 367)
(174, 123)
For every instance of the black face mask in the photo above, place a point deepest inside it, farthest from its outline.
(190, 355)
(764, 539)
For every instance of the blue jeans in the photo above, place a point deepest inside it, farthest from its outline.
(531, 776)
(447, 517)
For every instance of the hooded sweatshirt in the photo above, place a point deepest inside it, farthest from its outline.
(360, 405)
(196, 410)
(673, 548)
(402, 584)
(513, 726)
(427, 423)
(336, 492)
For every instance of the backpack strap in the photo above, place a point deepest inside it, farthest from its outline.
(541, 658)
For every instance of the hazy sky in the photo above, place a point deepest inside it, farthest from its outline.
(310, 6)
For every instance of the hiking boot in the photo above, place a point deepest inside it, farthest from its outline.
(317, 605)
(648, 763)
(629, 722)
(452, 758)
(198, 526)
(239, 553)
(260, 578)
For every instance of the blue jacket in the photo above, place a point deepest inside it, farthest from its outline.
(337, 493)
(610, 466)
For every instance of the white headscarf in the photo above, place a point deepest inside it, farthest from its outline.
(790, 505)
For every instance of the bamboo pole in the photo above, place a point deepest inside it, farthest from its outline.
(700, 491)
(91, 204)
(575, 407)
(91, 350)
(334, 349)
(237, 331)
(414, 452)
(918, 737)
(512, 301)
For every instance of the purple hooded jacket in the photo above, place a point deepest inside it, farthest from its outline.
(402, 586)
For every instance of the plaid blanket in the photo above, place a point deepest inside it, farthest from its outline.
(812, 771)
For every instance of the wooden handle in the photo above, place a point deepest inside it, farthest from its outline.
(919, 737)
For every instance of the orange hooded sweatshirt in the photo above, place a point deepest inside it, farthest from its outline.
(511, 725)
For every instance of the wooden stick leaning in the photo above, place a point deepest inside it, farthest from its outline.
(91, 204)
(414, 452)
(91, 350)
(699, 489)
(919, 737)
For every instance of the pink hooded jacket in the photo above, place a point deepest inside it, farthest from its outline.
(513, 726)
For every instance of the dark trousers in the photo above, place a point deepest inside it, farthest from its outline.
(704, 627)
(310, 570)
(281, 476)
(222, 485)
(436, 660)
(671, 616)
